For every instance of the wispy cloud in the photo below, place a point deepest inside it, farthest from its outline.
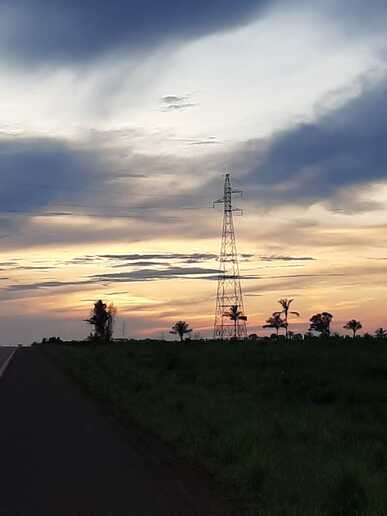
(274, 257)
(45, 285)
(194, 257)
(157, 274)
(175, 103)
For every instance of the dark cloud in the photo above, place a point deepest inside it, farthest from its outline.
(241, 277)
(38, 31)
(83, 260)
(65, 31)
(199, 140)
(175, 103)
(160, 256)
(173, 99)
(140, 264)
(179, 107)
(40, 175)
(154, 274)
(35, 267)
(38, 172)
(60, 181)
(211, 140)
(320, 160)
(274, 257)
(45, 284)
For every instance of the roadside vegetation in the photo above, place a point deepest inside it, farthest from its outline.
(288, 426)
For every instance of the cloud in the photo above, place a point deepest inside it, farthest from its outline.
(360, 16)
(241, 277)
(60, 31)
(195, 257)
(328, 160)
(319, 160)
(36, 172)
(35, 267)
(44, 285)
(173, 99)
(175, 103)
(154, 274)
(54, 190)
(37, 31)
(274, 257)
(180, 107)
(211, 140)
(140, 264)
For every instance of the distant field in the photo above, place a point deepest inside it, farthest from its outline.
(288, 429)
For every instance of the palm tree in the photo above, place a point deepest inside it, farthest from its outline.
(285, 303)
(180, 328)
(381, 333)
(353, 325)
(275, 321)
(235, 315)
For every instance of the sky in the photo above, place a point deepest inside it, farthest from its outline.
(118, 121)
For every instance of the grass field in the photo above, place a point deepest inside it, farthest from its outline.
(296, 428)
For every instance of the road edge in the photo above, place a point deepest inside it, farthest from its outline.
(4, 367)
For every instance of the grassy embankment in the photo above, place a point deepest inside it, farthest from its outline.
(295, 429)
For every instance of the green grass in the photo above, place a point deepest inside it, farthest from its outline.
(291, 428)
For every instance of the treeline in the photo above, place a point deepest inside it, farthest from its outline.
(102, 318)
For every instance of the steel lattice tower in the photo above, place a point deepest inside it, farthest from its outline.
(229, 292)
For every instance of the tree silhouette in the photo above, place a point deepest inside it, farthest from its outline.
(235, 315)
(381, 333)
(285, 303)
(180, 328)
(275, 321)
(102, 318)
(321, 323)
(354, 326)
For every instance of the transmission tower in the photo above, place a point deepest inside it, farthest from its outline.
(229, 292)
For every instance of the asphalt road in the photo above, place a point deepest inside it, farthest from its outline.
(61, 456)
